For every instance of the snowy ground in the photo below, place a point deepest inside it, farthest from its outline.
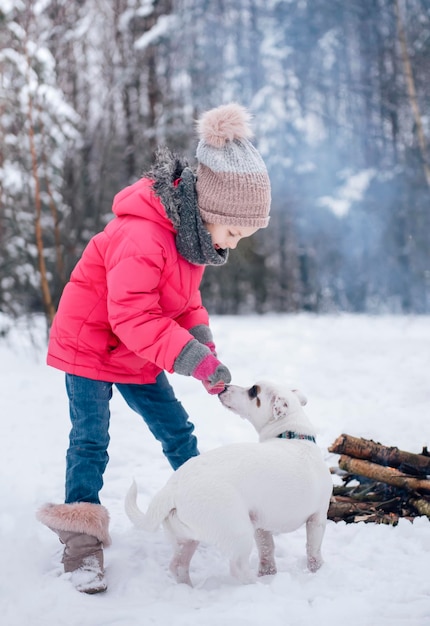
(366, 376)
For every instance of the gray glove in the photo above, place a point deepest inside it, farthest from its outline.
(197, 360)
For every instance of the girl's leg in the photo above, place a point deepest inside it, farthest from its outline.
(87, 455)
(165, 417)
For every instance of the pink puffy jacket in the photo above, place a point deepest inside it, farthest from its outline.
(124, 315)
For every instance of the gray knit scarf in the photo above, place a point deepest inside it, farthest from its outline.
(193, 241)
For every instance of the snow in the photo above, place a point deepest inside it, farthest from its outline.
(9, 5)
(162, 27)
(11, 177)
(352, 190)
(366, 376)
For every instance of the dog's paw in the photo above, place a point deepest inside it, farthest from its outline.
(268, 569)
(314, 564)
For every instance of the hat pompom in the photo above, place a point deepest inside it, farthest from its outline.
(225, 123)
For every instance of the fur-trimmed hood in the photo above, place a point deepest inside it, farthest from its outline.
(175, 185)
(166, 173)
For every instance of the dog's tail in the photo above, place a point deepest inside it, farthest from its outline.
(158, 510)
(134, 514)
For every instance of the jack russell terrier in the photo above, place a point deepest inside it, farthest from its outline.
(238, 493)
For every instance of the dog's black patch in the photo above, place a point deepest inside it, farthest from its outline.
(253, 394)
(253, 391)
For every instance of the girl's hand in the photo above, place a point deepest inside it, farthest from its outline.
(198, 361)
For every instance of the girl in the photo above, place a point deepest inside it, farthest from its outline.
(133, 309)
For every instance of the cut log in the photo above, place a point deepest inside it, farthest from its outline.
(368, 450)
(340, 508)
(353, 512)
(387, 475)
(388, 483)
(422, 506)
(371, 493)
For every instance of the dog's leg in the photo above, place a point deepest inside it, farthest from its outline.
(240, 569)
(180, 564)
(315, 528)
(266, 549)
(242, 543)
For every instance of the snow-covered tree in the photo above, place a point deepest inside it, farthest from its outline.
(338, 91)
(37, 126)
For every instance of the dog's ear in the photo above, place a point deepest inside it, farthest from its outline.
(279, 408)
(301, 396)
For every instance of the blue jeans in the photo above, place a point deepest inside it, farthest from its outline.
(87, 455)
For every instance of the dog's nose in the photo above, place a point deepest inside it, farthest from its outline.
(224, 390)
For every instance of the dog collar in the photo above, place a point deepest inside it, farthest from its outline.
(290, 434)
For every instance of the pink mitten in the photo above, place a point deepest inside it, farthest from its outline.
(198, 361)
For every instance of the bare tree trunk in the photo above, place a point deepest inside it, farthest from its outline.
(46, 292)
(412, 94)
(55, 216)
(153, 96)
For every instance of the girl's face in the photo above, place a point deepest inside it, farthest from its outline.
(228, 236)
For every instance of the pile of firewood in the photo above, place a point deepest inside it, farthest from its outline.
(380, 483)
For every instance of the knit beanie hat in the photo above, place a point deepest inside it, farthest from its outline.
(233, 186)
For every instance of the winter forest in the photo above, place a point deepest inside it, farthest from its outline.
(339, 91)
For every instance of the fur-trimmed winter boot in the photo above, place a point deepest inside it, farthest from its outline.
(83, 528)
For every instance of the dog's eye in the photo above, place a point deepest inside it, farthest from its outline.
(253, 392)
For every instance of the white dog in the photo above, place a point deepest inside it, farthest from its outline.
(234, 494)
